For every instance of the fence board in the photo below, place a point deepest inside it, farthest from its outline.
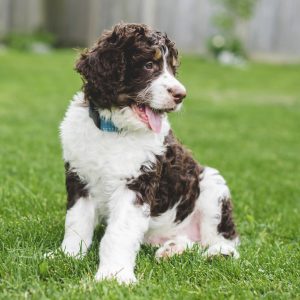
(4, 17)
(274, 28)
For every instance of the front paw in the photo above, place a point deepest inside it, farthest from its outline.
(74, 249)
(123, 276)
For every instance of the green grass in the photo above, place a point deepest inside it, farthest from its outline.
(244, 122)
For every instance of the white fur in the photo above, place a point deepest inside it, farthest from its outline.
(161, 97)
(79, 227)
(213, 189)
(127, 224)
(106, 160)
(221, 249)
(173, 247)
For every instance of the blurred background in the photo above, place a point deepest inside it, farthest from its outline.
(240, 63)
(260, 29)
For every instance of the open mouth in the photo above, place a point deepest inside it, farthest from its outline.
(151, 117)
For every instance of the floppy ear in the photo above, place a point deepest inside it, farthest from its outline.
(102, 69)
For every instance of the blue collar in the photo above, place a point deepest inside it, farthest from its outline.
(102, 123)
(107, 125)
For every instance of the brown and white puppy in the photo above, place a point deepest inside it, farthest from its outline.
(124, 166)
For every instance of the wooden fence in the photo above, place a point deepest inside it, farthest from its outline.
(273, 32)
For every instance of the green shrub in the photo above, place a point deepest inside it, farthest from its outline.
(226, 21)
(24, 41)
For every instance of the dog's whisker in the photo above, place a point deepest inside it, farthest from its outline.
(143, 93)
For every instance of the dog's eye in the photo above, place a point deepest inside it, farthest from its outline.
(149, 65)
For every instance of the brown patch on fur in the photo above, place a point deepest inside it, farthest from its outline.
(227, 226)
(174, 62)
(173, 179)
(74, 186)
(113, 70)
(157, 54)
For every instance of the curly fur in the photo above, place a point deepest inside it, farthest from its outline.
(172, 180)
(111, 69)
(141, 182)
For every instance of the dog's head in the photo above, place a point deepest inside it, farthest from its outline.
(133, 66)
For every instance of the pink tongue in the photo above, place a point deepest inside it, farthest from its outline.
(154, 120)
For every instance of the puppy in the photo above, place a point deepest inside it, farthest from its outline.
(124, 166)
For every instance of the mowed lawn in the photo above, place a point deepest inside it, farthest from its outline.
(245, 122)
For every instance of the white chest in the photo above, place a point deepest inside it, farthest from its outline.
(106, 160)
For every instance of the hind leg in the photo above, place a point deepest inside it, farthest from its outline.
(217, 229)
(174, 246)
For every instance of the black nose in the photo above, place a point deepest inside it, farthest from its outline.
(178, 93)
